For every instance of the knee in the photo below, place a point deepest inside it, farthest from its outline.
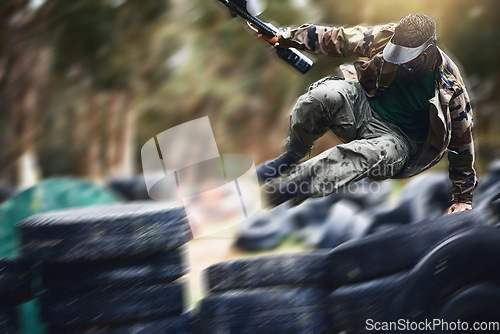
(392, 159)
(326, 94)
(322, 97)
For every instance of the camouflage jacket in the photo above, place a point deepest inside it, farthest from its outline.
(450, 113)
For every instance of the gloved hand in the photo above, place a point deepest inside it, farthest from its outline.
(272, 40)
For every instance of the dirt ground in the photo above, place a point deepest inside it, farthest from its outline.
(203, 253)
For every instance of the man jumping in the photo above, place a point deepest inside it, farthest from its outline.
(407, 108)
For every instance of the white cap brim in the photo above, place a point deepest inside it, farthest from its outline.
(398, 54)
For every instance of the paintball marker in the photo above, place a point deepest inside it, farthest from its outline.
(243, 8)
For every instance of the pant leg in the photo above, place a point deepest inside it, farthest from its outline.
(380, 157)
(375, 148)
(330, 104)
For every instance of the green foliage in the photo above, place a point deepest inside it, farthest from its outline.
(82, 31)
(103, 42)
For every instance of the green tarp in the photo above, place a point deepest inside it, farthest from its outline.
(48, 195)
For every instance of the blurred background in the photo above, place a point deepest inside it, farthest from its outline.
(84, 84)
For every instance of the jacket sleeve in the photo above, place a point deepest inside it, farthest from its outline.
(461, 149)
(342, 42)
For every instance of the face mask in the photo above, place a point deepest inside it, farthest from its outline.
(412, 72)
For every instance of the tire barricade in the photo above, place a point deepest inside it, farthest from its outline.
(416, 272)
(119, 269)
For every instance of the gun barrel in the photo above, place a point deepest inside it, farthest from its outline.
(293, 57)
(261, 25)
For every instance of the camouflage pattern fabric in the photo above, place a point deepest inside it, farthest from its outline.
(372, 146)
(450, 113)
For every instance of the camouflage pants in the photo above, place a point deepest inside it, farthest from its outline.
(372, 147)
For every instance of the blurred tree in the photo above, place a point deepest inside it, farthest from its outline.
(103, 50)
(23, 84)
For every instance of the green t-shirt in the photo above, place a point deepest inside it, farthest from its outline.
(407, 106)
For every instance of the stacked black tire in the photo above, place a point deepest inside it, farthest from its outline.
(413, 271)
(15, 289)
(457, 280)
(110, 269)
(279, 293)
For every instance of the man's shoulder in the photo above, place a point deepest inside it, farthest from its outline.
(376, 37)
(449, 73)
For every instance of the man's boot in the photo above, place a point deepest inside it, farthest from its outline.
(271, 169)
(284, 189)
